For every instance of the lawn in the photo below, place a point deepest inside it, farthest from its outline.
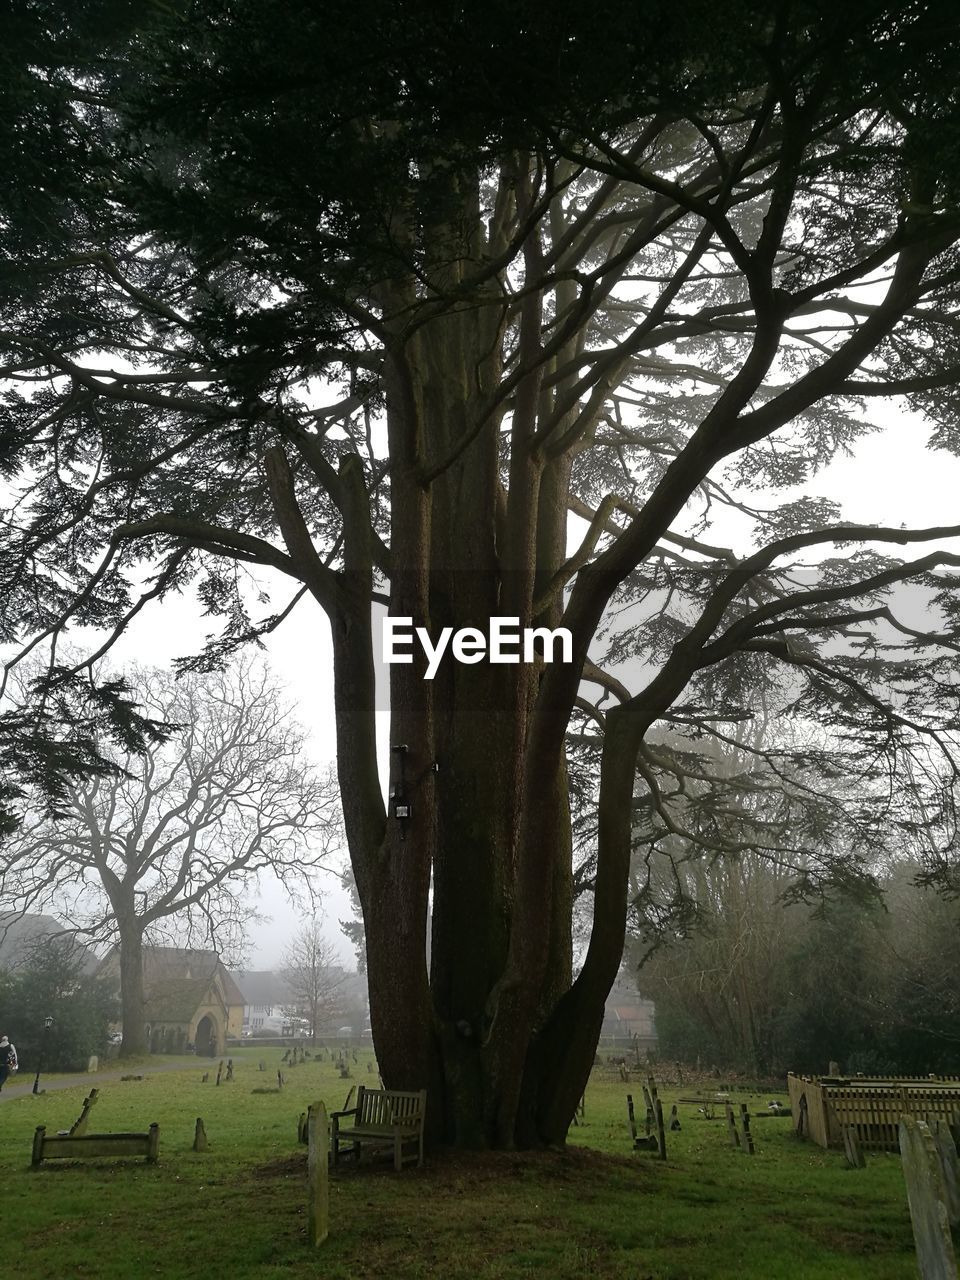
(598, 1209)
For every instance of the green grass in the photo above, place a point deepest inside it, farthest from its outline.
(791, 1211)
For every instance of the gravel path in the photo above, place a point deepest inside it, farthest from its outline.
(23, 1086)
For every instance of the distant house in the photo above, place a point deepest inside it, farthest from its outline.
(269, 1003)
(628, 1016)
(266, 997)
(20, 935)
(189, 999)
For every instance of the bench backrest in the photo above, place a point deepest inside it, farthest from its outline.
(388, 1106)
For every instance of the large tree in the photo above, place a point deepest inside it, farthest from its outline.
(174, 839)
(371, 299)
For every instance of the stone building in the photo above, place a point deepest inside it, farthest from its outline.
(190, 1000)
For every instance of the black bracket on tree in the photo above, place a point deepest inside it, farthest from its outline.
(401, 808)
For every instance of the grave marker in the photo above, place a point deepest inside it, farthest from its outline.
(947, 1150)
(747, 1136)
(318, 1190)
(661, 1136)
(731, 1125)
(851, 1148)
(200, 1137)
(79, 1126)
(926, 1196)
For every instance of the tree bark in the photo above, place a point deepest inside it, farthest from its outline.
(134, 1042)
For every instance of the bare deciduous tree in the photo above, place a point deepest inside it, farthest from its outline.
(314, 976)
(178, 837)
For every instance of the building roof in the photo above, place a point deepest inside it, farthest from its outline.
(177, 980)
(19, 933)
(262, 987)
(175, 1000)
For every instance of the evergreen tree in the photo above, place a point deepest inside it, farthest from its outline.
(371, 300)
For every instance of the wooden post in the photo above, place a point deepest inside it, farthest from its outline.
(731, 1125)
(219, 1072)
(745, 1126)
(79, 1126)
(661, 1136)
(318, 1190)
(648, 1103)
(200, 1137)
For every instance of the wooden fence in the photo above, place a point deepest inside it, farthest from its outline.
(823, 1106)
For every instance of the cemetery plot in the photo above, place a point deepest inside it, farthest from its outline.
(870, 1106)
(80, 1147)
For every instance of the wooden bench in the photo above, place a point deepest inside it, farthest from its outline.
(64, 1146)
(386, 1118)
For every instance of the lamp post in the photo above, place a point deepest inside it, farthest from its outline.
(47, 1024)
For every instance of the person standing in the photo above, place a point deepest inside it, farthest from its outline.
(8, 1060)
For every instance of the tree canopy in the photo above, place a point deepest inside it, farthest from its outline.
(495, 313)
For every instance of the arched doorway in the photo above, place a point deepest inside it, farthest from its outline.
(206, 1041)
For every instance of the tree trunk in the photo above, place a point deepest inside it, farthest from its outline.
(134, 1043)
(496, 1033)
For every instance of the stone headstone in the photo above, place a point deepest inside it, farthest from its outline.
(94, 1063)
(200, 1137)
(949, 1164)
(318, 1199)
(926, 1196)
(851, 1147)
(834, 1068)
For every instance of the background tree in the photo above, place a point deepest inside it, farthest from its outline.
(176, 837)
(52, 979)
(630, 264)
(866, 983)
(314, 977)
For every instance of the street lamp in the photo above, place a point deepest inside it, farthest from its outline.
(47, 1024)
